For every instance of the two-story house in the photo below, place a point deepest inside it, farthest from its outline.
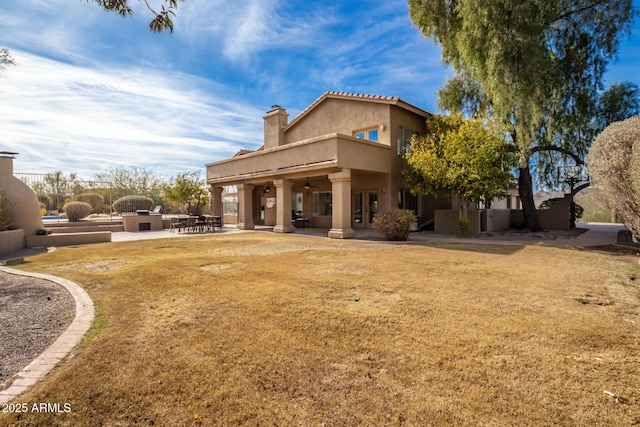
(334, 166)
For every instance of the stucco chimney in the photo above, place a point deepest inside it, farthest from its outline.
(274, 122)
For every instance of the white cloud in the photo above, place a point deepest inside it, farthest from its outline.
(243, 28)
(78, 119)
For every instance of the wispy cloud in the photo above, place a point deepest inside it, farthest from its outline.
(120, 117)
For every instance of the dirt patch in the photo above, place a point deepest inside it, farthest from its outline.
(98, 266)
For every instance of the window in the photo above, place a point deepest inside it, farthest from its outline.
(368, 134)
(407, 201)
(404, 140)
(230, 200)
(321, 203)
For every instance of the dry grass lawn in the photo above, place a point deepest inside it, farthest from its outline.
(264, 329)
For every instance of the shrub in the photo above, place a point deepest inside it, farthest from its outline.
(394, 224)
(614, 164)
(94, 199)
(464, 225)
(132, 203)
(6, 220)
(47, 201)
(76, 210)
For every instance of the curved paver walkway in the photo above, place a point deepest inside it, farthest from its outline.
(37, 369)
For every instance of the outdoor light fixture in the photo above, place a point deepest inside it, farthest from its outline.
(307, 184)
(267, 188)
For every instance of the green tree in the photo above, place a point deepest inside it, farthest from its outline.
(619, 102)
(189, 192)
(614, 162)
(162, 17)
(459, 156)
(538, 63)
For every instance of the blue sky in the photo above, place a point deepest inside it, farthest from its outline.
(92, 91)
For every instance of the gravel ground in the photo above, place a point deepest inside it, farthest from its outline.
(33, 313)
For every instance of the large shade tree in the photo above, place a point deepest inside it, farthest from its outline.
(536, 66)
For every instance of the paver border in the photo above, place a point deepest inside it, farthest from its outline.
(45, 362)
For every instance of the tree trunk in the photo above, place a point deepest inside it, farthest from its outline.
(525, 189)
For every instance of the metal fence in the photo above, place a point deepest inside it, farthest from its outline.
(55, 189)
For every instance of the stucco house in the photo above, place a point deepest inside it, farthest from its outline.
(333, 166)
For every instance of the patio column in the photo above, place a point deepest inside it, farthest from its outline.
(341, 205)
(283, 206)
(245, 207)
(216, 200)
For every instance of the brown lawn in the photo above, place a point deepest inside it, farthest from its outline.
(264, 329)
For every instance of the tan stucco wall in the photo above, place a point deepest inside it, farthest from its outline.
(328, 151)
(341, 116)
(11, 241)
(25, 207)
(447, 222)
(132, 223)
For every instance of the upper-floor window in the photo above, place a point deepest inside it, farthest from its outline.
(368, 134)
(404, 140)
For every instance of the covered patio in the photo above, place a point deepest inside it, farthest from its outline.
(319, 182)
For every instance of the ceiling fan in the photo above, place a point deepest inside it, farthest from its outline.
(307, 185)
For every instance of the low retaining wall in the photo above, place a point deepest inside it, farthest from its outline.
(86, 228)
(446, 221)
(68, 239)
(11, 241)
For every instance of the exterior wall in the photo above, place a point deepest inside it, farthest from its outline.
(497, 219)
(11, 241)
(341, 116)
(328, 151)
(408, 120)
(68, 239)
(25, 207)
(429, 204)
(446, 222)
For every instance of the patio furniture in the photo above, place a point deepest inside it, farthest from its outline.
(214, 222)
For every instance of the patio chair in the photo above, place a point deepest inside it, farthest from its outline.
(176, 224)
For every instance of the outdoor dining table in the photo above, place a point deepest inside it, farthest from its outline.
(197, 223)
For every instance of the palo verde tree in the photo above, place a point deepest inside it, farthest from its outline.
(162, 17)
(461, 157)
(536, 65)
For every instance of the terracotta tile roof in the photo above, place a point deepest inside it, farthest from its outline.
(242, 152)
